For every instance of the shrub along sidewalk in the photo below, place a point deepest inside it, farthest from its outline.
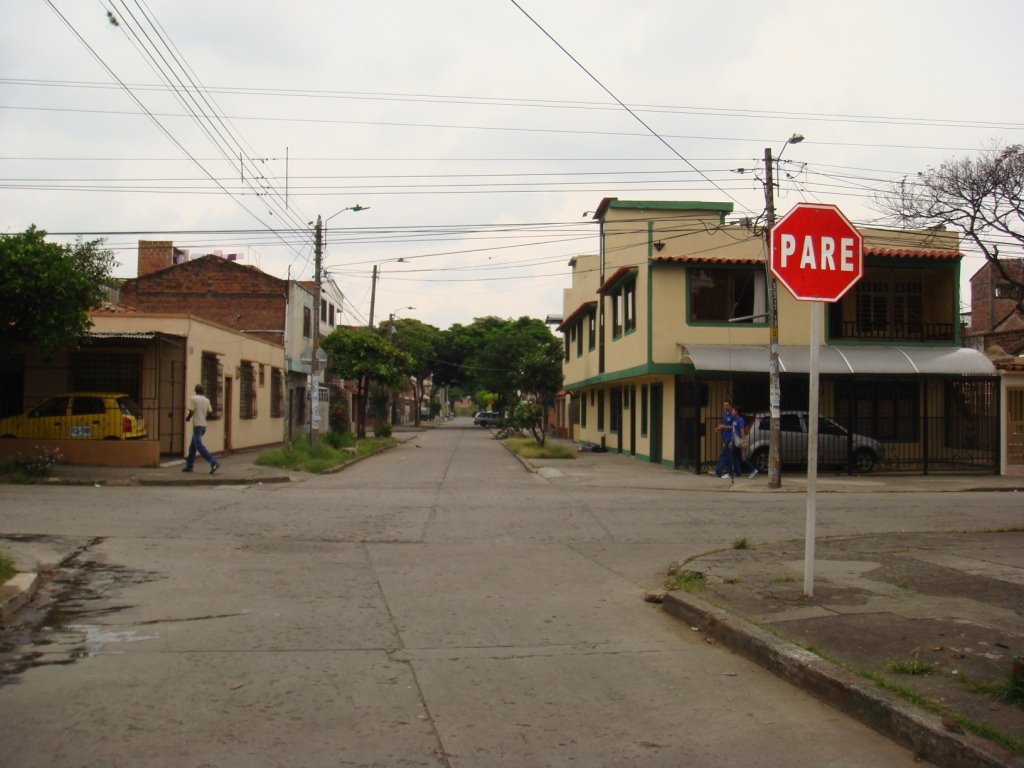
(335, 450)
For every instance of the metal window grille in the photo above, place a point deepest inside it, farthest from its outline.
(276, 393)
(247, 390)
(212, 377)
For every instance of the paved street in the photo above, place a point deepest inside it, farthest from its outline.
(434, 605)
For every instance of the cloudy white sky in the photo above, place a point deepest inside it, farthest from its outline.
(474, 140)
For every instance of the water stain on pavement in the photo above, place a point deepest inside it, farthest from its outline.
(63, 622)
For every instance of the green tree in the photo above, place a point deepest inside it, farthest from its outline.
(420, 342)
(515, 359)
(47, 289)
(362, 354)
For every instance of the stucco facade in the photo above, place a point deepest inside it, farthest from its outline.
(671, 316)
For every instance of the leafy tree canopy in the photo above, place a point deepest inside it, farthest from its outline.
(360, 352)
(515, 358)
(420, 342)
(47, 289)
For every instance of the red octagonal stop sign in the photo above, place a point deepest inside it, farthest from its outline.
(816, 252)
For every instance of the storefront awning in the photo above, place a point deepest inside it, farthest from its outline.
(895, 361)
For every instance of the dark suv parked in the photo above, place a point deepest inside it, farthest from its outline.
(486, 419)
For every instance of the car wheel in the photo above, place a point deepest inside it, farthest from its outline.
(759, 459)
(864, 460)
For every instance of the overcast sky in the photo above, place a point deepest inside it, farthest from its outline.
(477, 132)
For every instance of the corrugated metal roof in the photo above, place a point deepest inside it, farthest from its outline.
(143, 335)
(839, 360)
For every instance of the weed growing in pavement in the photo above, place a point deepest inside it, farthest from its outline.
(912, 667)
(6, 568)
(686, 580)
(1011, 690)
(984, 731)
(740, 543)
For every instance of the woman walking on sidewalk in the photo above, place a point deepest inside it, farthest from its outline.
(201, 408)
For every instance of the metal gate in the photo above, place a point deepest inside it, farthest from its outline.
(1015, 426)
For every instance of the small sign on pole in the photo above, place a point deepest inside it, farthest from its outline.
(818, 255)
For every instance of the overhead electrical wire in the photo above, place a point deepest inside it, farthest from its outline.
(149, 114)
(713, 111)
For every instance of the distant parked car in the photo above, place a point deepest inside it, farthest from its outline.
(834, 442)
(79, 416)
(486, 419)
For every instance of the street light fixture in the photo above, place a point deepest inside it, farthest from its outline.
(314, 367)
(774, 390)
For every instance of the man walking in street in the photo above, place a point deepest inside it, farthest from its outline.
(197, 414)
(724, 468)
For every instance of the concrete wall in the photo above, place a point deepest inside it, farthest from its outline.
(98, 453)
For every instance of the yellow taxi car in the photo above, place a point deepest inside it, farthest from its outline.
(79, 416)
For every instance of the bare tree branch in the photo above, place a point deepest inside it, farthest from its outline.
(980, 197)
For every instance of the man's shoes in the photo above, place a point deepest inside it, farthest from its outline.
(754, 473)
(727, 477)
(214, 468)
(186, 469)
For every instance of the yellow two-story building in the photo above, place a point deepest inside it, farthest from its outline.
(671, 317)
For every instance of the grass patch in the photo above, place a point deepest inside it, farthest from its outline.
(683, 579)
(741, 543)
(984, 731)
(6, 568)
(529, 448)
(1011, 691)
(912, 666)
(296, 455)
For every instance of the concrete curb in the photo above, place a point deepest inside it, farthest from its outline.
(15, 592)
(920, 731)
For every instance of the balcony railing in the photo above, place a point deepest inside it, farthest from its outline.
(856, 329)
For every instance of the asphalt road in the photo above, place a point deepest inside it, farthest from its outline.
(435, 605)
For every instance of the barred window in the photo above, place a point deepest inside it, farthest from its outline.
(211, 375)
(247, 390)
(276, 393)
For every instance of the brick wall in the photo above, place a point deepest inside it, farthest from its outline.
(987, 310)
(222, 291)
(155, 255)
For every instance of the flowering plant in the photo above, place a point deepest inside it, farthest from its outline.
(40, 464)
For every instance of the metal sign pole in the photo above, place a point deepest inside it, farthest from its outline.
(812, 451)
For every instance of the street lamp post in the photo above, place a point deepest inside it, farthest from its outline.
(774, 389)
(314, 364)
